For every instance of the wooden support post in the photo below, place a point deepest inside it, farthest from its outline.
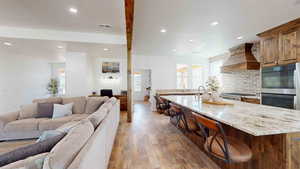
(129, 13)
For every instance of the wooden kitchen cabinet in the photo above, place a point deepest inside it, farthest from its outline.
(281, 45)
(269, 50)
(288, 47)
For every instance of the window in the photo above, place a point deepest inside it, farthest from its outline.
(215, 70)
(137, 82)
(189, 76)
(182, 76)
(197, 76)
(58, 73)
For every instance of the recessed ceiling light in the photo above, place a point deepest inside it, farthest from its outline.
(7, 44)
(73, 10)
(163, 30)
(105, 26)
(105, 49)
(174, 50)
(191, 40)
(240, 37)
(214, 23)
(60, 47)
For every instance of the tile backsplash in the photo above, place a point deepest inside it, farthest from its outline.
(247, 81)
(241, 82)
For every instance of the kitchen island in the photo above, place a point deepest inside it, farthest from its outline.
(272, 133)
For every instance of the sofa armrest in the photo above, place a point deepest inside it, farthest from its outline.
(8, 117)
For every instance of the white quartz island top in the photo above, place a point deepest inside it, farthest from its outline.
(254, 119)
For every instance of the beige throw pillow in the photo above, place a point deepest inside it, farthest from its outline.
(28, 111)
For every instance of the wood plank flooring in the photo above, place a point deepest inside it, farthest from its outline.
(151, 142)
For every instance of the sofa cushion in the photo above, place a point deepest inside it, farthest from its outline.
(107, 105)
(30, 150)
(52, 124)
(79, 104)
(113, 100)
(23, 125)
(28, 111)
(97, 117)
(8, 117)
(68, 126)
(44, 110)
(54, 100)
(34, 162)
(66, 150)
(93, 104)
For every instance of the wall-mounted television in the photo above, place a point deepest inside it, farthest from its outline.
(110, 67)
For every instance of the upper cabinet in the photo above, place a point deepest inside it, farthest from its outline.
(269, 50)
(281, 45)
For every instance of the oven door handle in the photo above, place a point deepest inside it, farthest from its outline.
(295, 102)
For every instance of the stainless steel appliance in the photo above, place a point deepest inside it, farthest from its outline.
(235, 96)
(280, 85)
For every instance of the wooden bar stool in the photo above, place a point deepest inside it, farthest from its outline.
(161, 105)
(177, 113)
(228, 149)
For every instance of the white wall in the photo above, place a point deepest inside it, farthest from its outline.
(78, 75)
(163, 68)
(101, 80)
(24, 76)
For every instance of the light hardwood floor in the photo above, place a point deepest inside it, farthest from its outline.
(151, 142)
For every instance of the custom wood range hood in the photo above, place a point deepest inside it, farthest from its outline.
(241, 58)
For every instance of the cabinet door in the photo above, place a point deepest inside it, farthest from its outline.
(269, 50)
(288, 47)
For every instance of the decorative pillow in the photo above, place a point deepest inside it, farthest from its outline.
(62, 110)
(49, 134)
(28, 111)
(45, 110)
(79, 104)
(30, 150)
(34, 162)
(93, 104)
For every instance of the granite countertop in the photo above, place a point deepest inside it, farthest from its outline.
(178, 93)
(254, 119)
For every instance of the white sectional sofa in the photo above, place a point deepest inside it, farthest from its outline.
(87, 145)
(23, 124)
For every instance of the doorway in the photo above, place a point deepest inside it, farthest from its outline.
(141, 85)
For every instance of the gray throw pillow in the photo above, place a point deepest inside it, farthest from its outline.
(30, 150)
(45, 110)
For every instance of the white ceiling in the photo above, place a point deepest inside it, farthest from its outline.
(191, 19)
(49, 49)
(54, 15)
